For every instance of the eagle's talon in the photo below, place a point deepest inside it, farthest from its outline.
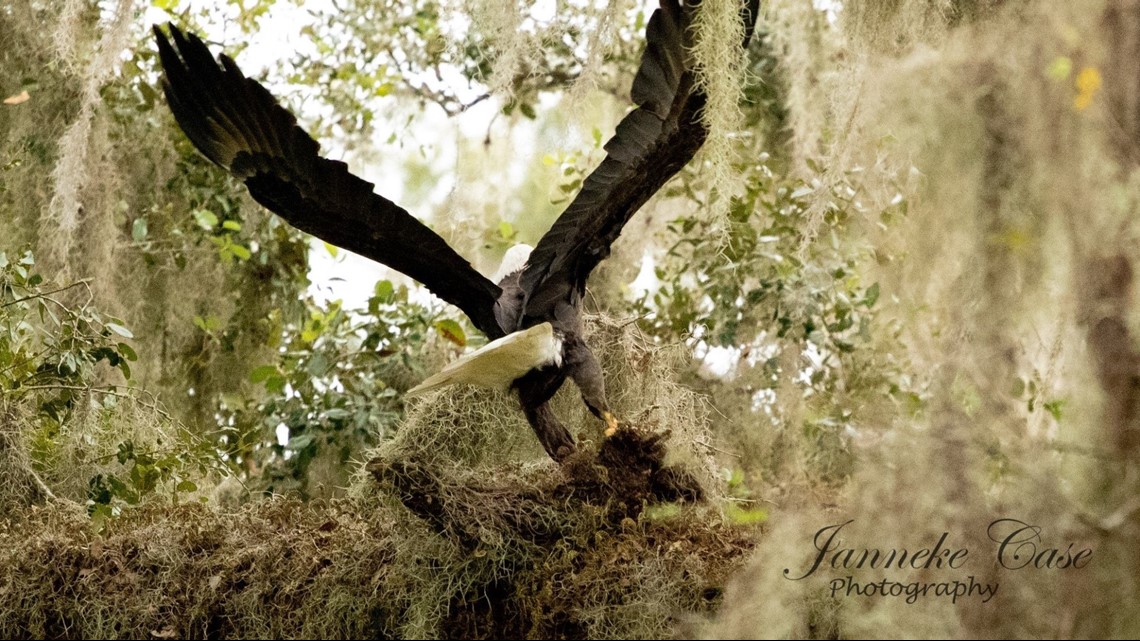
(611, 423)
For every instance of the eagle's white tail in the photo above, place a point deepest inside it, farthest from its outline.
(498, 363)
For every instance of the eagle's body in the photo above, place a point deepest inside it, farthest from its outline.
(532, 309)
(535, 358)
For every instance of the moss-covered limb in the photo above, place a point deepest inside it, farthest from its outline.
(284, 569)
(1014, 291)
(277, 569)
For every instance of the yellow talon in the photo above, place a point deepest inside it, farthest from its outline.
(611, 423)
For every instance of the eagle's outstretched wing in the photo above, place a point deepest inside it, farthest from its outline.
(652, 143)
(237, 124)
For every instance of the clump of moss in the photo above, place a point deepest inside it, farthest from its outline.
(284, 569)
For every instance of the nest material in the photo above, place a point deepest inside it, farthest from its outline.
(471, 532)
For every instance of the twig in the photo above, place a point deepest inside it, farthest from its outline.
(474, 102)
(43, 488)
(633, 320)
(716, 449)
(83, 282)
(81, 388)
(153, 405)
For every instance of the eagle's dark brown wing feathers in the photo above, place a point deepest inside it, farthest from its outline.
(655, 84)
(650, 145)
(236, 123)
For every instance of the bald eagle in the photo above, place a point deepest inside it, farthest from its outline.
(532, 309)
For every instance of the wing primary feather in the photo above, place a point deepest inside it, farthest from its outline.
(236, 123)
(201, 82)
(650, 145)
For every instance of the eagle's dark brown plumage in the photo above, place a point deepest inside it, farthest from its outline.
(237, 124)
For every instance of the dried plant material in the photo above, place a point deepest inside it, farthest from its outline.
(72, 171)
(17, 99)
(720, 65)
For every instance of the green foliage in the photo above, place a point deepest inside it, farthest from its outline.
(51, 350)
(432, 57)
(170, 470)
(768, 273)
(741, 509)
(334, 387)
(59, 360)
(214, 288)
(766, 108)
(783, 285)
(876, 343)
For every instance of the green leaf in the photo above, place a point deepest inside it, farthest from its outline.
(128, 352)
(746, 516)
(120, 330)
(100, 515)
(871, 296)
(148, 95)
(208, 323)
(1055, 408)
(186, 486)
(1018, 387)
(231, 225)
(262, 373)
(383, 291)
(144, 478)
(126, 452)
(333, 250)
(570, 186)
(318, 365)
(240, 251)
(138, 230)
(506, 230)
(120, 489)
(206, 219)
(301, 441)
(452, 331)
(1060, 68)
(275, 384)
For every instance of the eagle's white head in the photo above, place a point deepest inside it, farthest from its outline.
(514, 260)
